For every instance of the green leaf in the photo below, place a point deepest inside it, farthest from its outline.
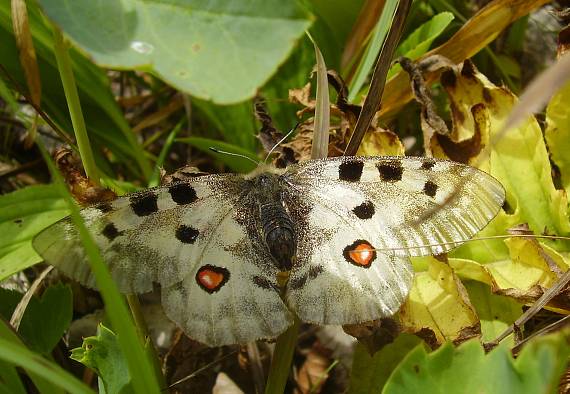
(335, 21)
(293, 74)
(52, 312)
(9, 299)
(237, 164)
(105, 121)
(235, 122)
(495, 312)
(216, 50)
(372, 50)
(23, 214)
(370, 373)
(103, 354)
(418, 43)
(468, 369)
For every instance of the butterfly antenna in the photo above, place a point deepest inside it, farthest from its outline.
(490, 238)
(280, 141)
(234, 154)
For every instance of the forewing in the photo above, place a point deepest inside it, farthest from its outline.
(415, 206)
(195, 240)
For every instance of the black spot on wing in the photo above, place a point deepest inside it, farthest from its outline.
(390, 171)
(182, 193)
(186, 234)
(428, 164)
(144, 204)
(430, 188)
(110, 232)
(364, 210)
(350, 170)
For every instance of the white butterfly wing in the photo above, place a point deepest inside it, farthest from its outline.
(419, 206)
(193, 239)
(354, 210)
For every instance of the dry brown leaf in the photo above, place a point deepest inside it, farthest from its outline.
(26, 49)
(313, 372)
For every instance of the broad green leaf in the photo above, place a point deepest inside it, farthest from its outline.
(237, 164)
(558, 133)
(418, 43)
(10, 382)
(370, 373)
(52, 312)
(495, 312)
(103, 354)
(221, 51)
(339, 17)
(23, 214)
(467, 369)
(105, 121)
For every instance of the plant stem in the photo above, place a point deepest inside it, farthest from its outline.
(282, 358)
(142, 331)
(72, 97)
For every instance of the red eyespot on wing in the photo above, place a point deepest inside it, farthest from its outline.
(211, 278)
(360, 253)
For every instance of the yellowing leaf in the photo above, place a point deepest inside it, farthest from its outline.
(523, 276)
(439, 303)
(558, 133)
(381, 143)
(527, 268)
(518, 159)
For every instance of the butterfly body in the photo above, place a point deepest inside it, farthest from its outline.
(278, 230)
(342, 229)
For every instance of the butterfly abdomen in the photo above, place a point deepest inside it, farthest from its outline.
(277, 226)
(278, 234)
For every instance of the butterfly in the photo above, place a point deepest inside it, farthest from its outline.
(327, 240)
